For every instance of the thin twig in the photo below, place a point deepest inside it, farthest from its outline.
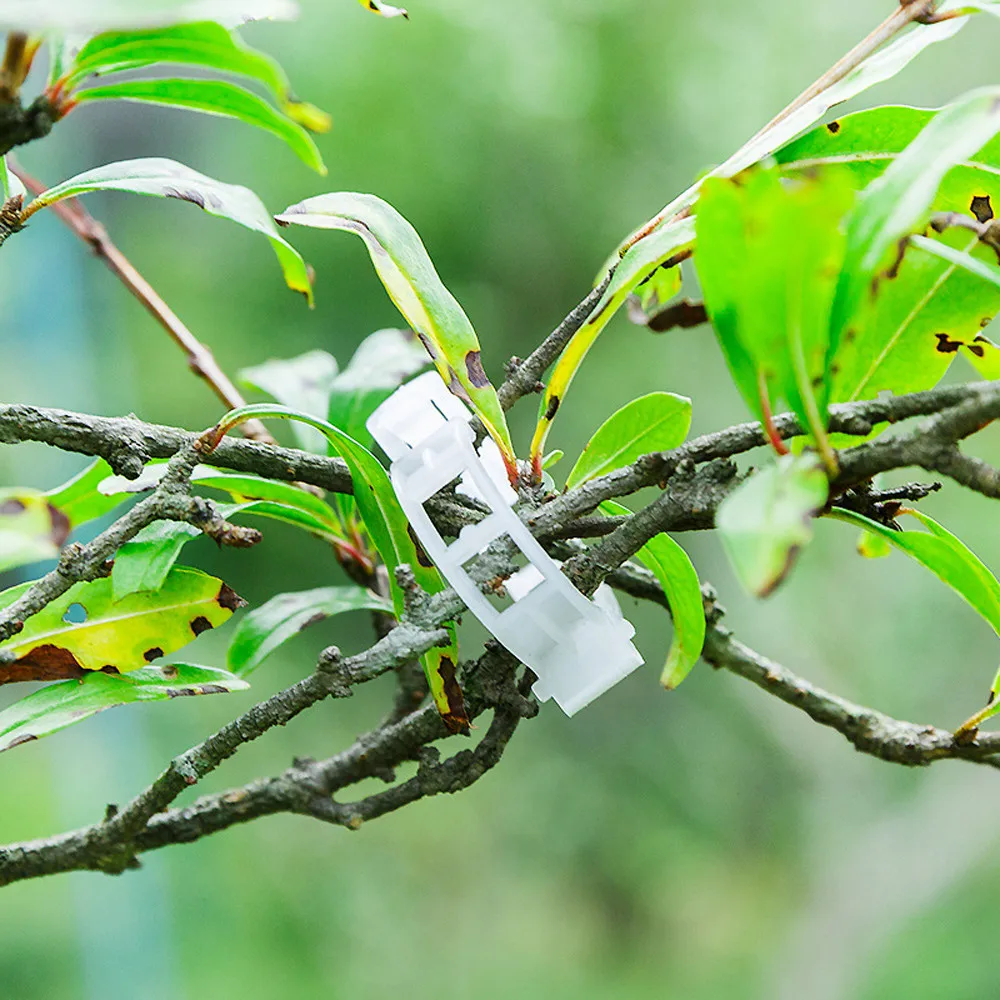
(908, 12)
(200, 359)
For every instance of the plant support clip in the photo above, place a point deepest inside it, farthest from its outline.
(578, 648)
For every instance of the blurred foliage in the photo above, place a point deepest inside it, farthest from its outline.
(704, 844)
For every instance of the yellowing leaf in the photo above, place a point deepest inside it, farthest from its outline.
(665, 246)
(87, 630)
(408, 275)
(31, 528)
(385, 9)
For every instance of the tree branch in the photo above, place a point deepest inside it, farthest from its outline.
(694, 479)
(200, 359)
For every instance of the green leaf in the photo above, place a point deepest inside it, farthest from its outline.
(142, 564)
(74, 17)
(204, 44)
(768, 256)
(877, 68)
(278, 500)
(216, 97)
(385, 9)
(931, 304)
(671, 565)
(163, 178)
(948, 558)
(271, 498)
(264, 629)
(382, 362)
(881, 66)
(80, 499)
(873, 546)
(31, 528)
(899, 203)
(413, 285)
(123, 635)
(302, 383)
(57, 706)
(665, 246)
(657, 422)
(391, 534)
(767, 520)
(312, 383)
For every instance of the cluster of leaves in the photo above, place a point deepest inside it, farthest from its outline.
(836, 261)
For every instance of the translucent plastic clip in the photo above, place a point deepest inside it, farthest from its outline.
(578, 648)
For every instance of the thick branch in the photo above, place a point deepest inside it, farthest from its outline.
(869, 731)
(307, 787)
(20, 125)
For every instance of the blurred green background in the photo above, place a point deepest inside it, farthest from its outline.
(711, 843)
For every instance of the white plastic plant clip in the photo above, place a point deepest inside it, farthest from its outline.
(577, 647)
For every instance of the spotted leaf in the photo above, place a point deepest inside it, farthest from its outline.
(57, 706)
(31, 528)
(413, 284)
(927, 310)
(664, 248)
(164, 178)
(87, 630)
(385, 9)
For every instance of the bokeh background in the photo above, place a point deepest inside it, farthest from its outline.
(707, 844)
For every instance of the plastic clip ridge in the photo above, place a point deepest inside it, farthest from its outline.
(577, 647)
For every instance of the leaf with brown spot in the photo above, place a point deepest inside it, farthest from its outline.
(116, 634)
(60, 705)
(31, 528)
(407, 272)
(455, 718)
(894, 347)
(162, 178)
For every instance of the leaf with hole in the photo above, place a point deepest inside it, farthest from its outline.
(57, 706)
(263, 630)
(406, 271)
(215, 97)
(86, 629)
(162, 178)
(656, 422)
(673, 568)
(766, 521)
